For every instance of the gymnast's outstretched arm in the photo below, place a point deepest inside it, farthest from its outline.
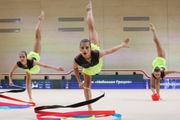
(76, 72)
(171, 71)
(10, 75)
(152, 80)
(111, 50)
(48, 66)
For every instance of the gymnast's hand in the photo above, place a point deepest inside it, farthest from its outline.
(81, 85)
(125, 42)
(11, 83)
(60, 69)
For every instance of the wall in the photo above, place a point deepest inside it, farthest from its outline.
(60, 48)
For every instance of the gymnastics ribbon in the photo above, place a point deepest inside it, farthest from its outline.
(4, 105)
(75, 115)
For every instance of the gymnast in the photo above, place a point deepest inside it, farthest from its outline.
(159, 70)
(90, 57)
(30, 63)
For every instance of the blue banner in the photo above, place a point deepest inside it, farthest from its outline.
(98, 82)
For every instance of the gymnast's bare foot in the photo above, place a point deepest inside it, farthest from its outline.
(125, 42)
(152, 27)
(41, 17)
(89, 6)
(30, 100)
(90, 108)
